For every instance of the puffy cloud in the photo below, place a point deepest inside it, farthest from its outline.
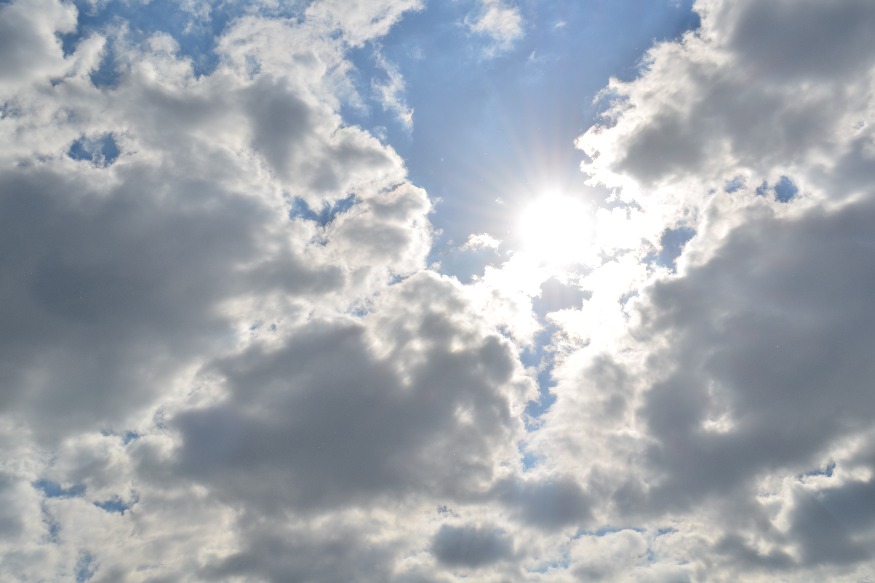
(765, 377)
(124, 279)
(723, 390)
(734, 102)
(31, 50)
(204, 378)
(338, 414)
(184, 352)
(498, 21)
(148, 234)
(481, 241)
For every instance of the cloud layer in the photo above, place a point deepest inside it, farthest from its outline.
(223, 356)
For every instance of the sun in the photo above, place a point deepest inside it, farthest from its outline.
(556, 230)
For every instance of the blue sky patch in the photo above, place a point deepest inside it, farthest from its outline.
(785, 190)
(54, 490)
(86, 568)
(735, 184)
(115, 505)
(326, 215)
(672, 243)
(101, 151)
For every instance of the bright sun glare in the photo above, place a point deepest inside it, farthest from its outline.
(555, 229)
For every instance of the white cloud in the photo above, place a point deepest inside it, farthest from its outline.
(343, 414)
(200, 383)
(481, 241)
(126, 276)
(179, 354)
(360, 20)
(500, 22)
(31, 51)
(746, 367)
(391, 92)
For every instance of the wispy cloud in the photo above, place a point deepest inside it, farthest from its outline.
(499, 21)
(391, 92)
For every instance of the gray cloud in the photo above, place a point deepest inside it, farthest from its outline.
(757, 90)
(805, 40)
(121, 280)
(30, 50)
(277, 554)
(470, 546)
(334, 423)
(779, 356)
(310, 162)
(270, 398)
(741, 374)
(752, 370)
(99, 281)
(549, 504)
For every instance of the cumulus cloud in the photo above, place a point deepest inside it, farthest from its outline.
(339, 416)
(130, 271)
(204, 378)
(30, 48)
(481, 241)
(189, 348)
(735, 381)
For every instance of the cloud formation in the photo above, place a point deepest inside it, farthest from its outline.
(733, 403)
(224, 356)
(498, 21)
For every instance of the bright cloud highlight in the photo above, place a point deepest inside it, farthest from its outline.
(260, 323)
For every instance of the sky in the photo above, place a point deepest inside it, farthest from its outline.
(431, 291)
